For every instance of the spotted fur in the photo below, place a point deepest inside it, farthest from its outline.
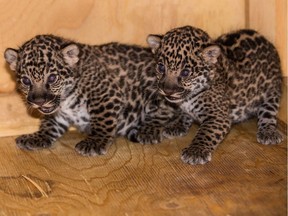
(104, 91)
(219, 82)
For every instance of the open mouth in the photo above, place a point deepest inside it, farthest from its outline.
(173, 99)
(47, 110)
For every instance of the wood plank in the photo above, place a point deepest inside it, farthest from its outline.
(281, 40)
(14, 116)
(270, 18)
(244, 178)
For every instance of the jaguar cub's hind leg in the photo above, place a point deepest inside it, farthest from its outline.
(267, 122)
(149, 129)
(159, 124)
(148, 132)
(178, 126)
(50, 129)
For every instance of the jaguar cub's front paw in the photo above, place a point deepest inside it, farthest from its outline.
(92, 147)
(269, 137)
(33, 142)
(196, 155)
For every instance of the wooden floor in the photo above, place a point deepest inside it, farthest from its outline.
(244, 178)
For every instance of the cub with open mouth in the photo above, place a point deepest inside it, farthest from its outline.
(218, 83)
(103, 90)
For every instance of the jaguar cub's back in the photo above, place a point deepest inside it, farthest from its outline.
(254, 74)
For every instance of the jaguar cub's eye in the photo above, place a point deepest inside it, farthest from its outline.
(52, 78)
(26, 81)
(161, 68)
(185, 73)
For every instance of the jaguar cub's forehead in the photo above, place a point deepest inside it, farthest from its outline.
(38, 53)
(185, 40)
(38, 47)
(182, 46)
(43, 42)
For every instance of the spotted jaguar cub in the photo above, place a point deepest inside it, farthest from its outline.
(104, 90)
(219, 82)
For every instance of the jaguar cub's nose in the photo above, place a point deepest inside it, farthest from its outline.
(170, 87)
(38, 101)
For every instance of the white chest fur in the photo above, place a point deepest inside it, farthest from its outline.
(75, 113)
(191, 107)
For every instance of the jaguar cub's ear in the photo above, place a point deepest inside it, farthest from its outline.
(70, 54)
(154, 41)
(10, 56)
(211, 53)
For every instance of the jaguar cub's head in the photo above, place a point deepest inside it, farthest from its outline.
(45, 70)
(186, 60)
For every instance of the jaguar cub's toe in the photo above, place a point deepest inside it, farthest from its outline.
(32, 142)
(23, 143)
(91, 148)
(194, 155)
(132, 135)
(171, 132)
(269, 137)
(149, 138)
(147, 135)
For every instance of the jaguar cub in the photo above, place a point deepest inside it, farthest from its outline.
(219, 82)
(104, 90)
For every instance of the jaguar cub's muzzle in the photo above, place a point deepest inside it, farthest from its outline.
(45, 102)
(171, 90)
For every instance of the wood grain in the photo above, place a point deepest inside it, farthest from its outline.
(244, 178)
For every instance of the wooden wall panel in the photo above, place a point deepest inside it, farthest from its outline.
(270, 18)
(14, 117)
(100, 21)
